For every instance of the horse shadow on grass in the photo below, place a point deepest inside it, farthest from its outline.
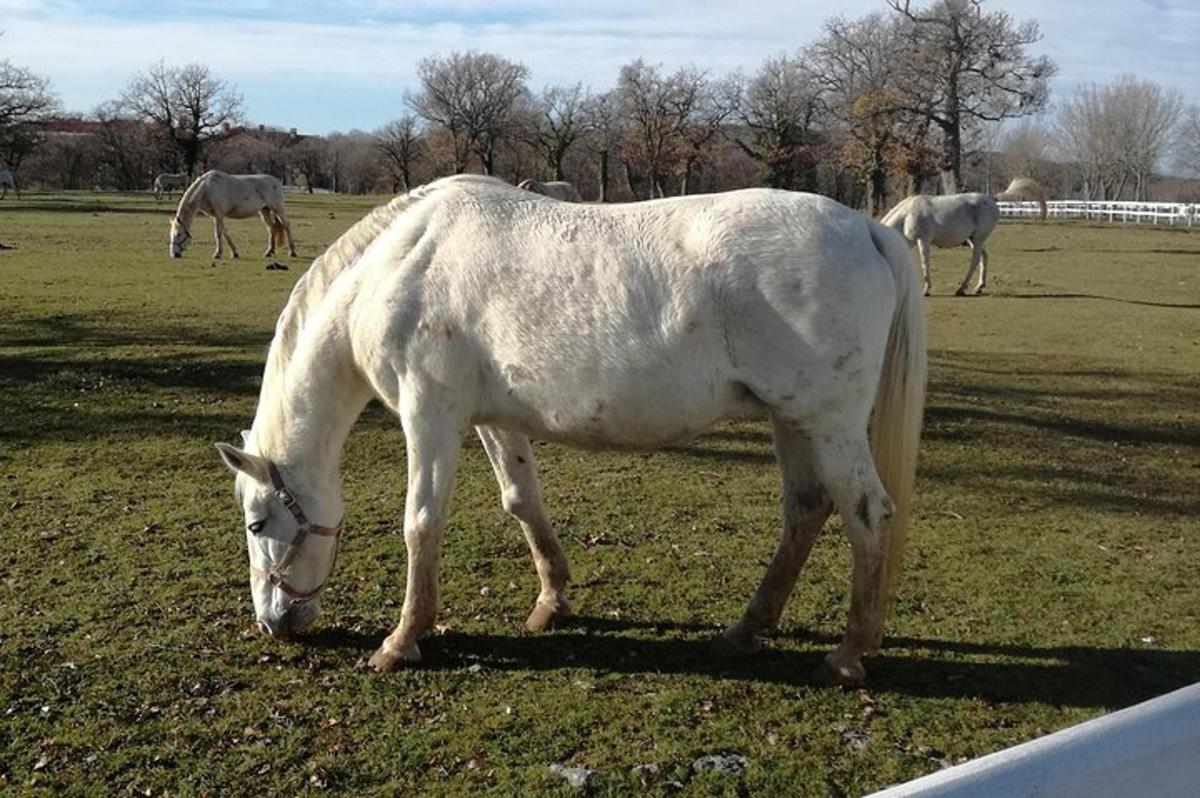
(1103, 298)
(1075, 676)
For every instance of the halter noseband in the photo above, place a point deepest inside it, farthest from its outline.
(274, 576)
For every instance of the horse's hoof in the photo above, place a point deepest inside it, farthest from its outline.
(960, 292)
(737, 641)
(848, 674)
(387, 659)
(548, 615)
(979, 291)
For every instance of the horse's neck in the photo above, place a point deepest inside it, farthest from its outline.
(308, 405)
(189, 204)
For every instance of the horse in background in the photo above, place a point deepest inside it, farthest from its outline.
(222, 195)
(952, 220)
(654, 321)
(7, 181)
(558, 189)
(169, 182)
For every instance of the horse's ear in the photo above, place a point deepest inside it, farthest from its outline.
(249, 464)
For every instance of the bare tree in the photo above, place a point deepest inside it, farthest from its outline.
(776, 111)
(855, 64)
(128, 149)
(714, 102)
(1188, 148)
(188, 104)
(309, 157)
(605, 130)
(472, 96)
(402, 145)
(355, 164)
(24, 95)
(1118, 133)
(962, 66)
(659, 109)
(557, 121)
(25, 98)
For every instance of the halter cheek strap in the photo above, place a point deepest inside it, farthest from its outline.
(275, 575)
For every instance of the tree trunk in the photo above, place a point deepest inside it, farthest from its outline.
(604, 176)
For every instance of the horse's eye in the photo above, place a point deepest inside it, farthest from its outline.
(257, 527)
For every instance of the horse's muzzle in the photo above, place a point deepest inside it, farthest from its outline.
(298, 618)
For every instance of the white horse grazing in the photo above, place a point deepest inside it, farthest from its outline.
(956, 219)
(7, 181)
(169, 182)
(653, 321)
(559, 189)
(238, 197)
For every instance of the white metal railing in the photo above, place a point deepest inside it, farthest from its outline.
(1149, 749)
(1169, 213)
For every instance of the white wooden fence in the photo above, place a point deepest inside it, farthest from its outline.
(1175, 214)
(1150, 750)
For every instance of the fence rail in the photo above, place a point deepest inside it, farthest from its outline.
(1149, 749)
(1175, 214)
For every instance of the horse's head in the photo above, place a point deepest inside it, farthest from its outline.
(180, 237)
(291, 557)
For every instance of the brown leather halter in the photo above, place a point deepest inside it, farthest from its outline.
(274, 576)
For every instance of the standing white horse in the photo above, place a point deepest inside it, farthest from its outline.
(952, 220)
(7, 181)
(558, 189)
(237, 197)
(168, 182)
(654, 320)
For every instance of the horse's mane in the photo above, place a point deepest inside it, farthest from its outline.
(188, 202)
(314, 283)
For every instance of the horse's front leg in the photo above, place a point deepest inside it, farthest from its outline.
(433, 443)
(512, 460)
(923, 252)
(982, 268)
(806, 505)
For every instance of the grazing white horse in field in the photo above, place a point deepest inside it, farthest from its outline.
(559, 189)
(654, 320)
(7, 181)
(237, 197)
(956, 219)
(168, 182)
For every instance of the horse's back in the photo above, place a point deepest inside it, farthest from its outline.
(663, 316)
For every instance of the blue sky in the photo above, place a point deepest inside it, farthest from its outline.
(337, 66)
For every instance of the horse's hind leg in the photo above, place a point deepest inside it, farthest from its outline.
(512, 460)
(847, 470)
(976, 253)
(806, 505)
(269, 221)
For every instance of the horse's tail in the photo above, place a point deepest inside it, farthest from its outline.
(900, 400)
(278, 237)
(897, 217)
(1025, 188)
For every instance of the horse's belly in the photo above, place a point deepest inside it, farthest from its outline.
(653, 413)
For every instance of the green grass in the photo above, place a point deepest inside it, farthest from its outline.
(1051, 576)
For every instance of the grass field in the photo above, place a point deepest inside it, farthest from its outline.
(1052, 570)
